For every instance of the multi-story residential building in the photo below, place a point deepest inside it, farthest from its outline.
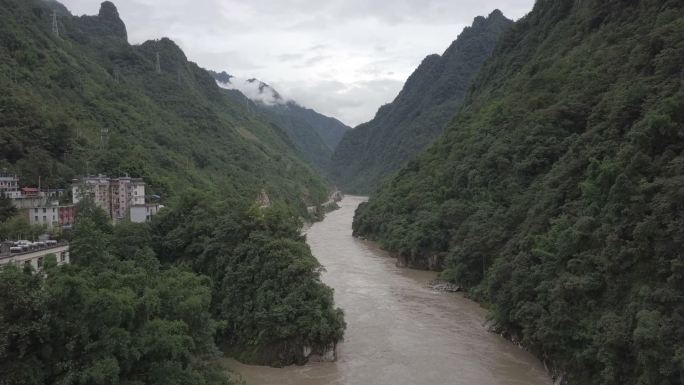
(67, 216)
(9, 185)
(51, 215)
(126, 192)
(95, 188)
(43, 215)
(122, 198)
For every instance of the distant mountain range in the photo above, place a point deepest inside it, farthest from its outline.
(314, 134)
(429, 99)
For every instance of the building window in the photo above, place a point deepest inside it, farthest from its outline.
(36, 218)
(44, 210)
(44, 218)
(35, 210)
(62, 256)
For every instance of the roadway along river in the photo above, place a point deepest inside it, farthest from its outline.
(398, 331)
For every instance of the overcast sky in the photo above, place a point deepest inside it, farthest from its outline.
(344, 58)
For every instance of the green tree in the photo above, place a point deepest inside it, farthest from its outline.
(7, 209)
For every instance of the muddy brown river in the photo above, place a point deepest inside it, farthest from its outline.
(398, 331)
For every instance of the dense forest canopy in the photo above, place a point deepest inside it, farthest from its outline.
(551, 190)
(152, 303)
(402, 129)
(556, 193)
(315, 135)
(87, 102)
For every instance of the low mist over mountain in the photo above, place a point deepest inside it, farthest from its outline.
(163, 224)
(314, 134)
(149, 302)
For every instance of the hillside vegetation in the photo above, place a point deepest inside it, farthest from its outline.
(315, 135)
(152, 303)
(556, 194)
(402, 129)
(86, 102)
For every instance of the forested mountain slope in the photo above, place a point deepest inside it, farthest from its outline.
(85, 101)
(150, 303)
(315, 135)
(429, 99)
(561, 180)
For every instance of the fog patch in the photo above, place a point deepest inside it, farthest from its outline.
(254, 89)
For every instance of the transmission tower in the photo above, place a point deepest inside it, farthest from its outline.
(10, 75)
(104, 137)
(55, 27)
(158, 64)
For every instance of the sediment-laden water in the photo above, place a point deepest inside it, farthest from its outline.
(399, 332)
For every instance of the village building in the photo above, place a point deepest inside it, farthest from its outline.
(121, 198)
(51, 215)
(9, 185)
(144, 213)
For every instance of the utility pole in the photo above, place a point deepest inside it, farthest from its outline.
(55, 27)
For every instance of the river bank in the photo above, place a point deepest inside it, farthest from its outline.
(400, 331)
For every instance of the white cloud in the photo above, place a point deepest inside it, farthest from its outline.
(343, 58)
(254, 89)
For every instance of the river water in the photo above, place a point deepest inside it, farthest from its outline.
(398, 331)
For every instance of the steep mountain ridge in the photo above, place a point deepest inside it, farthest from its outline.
(86, 101)
(430, 97)
(314, 134)
(555, 195)
(153, 302)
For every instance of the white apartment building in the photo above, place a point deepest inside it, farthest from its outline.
(94, 187)
(9, 185)
(126, 192)
(121, 198)
(44, 216)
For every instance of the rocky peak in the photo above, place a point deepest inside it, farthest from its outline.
(496, 14)
(495, 17)
(109, 16)
(108, 11)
